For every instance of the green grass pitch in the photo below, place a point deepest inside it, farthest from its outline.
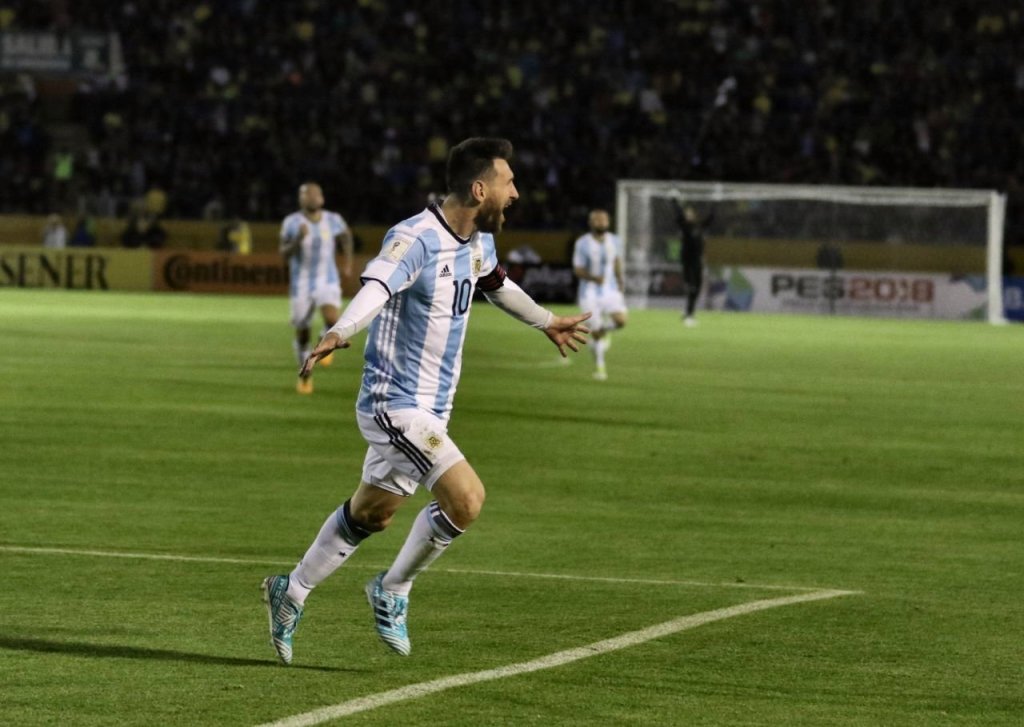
(884, 457)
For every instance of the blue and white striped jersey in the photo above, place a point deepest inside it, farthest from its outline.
(598, 258)
(313, 266)
(414, 346)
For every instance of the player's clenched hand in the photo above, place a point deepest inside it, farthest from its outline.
(330, 342)
(303, 230)
(567, 331)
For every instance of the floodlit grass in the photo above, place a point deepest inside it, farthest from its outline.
(880, 456)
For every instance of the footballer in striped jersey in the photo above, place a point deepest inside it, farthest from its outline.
(597, 262)
(416, 299)
(309, 240)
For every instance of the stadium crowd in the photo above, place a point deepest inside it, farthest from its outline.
(228, 104)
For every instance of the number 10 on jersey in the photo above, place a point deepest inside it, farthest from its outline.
(463, 293)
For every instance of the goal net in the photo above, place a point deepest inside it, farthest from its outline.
(896, 252)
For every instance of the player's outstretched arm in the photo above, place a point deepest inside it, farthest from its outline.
(330, 342)
(567, 331)
(361, 310)
(347, 247)
(564, 331)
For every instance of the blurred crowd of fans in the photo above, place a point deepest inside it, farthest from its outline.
(228, 104)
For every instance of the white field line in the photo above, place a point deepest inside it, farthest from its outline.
(281, 562)
(29, 550)
(552, 363)
(560, 658)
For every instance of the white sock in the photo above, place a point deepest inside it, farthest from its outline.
(599, 352)
(431, 534)
(301, 352)
(335, 543)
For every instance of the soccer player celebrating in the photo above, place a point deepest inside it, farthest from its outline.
(597, 262)
(416, 301)
(308, 240)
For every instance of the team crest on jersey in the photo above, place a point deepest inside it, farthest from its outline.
(477, 264)
(397, 248)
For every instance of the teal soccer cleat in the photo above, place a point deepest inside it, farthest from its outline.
(284, 615)
(389, 612)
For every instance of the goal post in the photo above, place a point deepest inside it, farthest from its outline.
(898, 252)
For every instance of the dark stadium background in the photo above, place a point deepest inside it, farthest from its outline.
(223, 107)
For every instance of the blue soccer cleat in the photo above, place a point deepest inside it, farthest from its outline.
(284, 615)
(389, 612)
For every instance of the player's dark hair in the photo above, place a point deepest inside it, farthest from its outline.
(471, 160)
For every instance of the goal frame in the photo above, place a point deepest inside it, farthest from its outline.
(994, 202)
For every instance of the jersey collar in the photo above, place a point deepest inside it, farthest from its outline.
(444, 223)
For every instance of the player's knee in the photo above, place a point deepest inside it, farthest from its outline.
(463, 506)
(330, 315)
(374, 517)
(466, 507)
(460, 493)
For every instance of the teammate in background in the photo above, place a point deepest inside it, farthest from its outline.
(416, 300)
(597, 262)
(692, 256)
(309, 240)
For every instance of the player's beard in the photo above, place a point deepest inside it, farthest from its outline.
(489, 217)
(598, 230)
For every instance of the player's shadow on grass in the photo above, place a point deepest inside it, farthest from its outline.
(113, 651)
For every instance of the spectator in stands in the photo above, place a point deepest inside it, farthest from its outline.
(63, 175)
(900, 93)
(84, 234)
(236, 237)
(143, 230)
(55, 235)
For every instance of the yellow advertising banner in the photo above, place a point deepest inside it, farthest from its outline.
(75, 268)
(213, 272)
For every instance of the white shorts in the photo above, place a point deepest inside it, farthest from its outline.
(305, 304)
(408, 447)
(602, 306)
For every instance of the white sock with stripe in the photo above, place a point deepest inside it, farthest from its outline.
(431, 534)
(335, 543)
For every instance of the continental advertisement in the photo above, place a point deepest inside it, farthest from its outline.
(76, 268)
(210, 272)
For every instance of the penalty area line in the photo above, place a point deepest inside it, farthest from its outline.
(283, 563)
(560, 658)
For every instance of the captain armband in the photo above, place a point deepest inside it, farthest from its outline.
(493, 280)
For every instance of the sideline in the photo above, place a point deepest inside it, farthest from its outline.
(285, 563)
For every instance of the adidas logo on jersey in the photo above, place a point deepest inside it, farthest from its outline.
(445, 272)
